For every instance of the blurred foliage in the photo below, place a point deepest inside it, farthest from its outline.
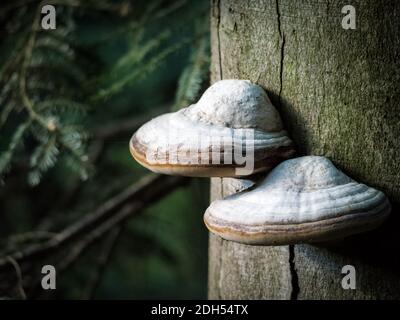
(107, 61)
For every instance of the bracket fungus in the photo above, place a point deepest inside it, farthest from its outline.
(304, 199)
(232, 131)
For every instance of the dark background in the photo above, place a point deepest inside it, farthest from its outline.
(108, 67)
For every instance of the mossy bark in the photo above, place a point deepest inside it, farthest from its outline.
(338, 93)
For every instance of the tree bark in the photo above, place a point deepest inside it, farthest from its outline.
(337, 91)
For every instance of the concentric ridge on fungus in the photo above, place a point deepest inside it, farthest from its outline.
(194, 141)
(304, 199)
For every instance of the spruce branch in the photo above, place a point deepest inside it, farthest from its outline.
(94, 224)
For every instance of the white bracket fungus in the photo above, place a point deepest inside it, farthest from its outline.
(304, 199)
(232, 131)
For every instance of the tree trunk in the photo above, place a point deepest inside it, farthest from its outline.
(338, 93)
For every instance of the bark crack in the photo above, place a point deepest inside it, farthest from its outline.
(292, 266)
(293, 272)
(221, 244)
(282, 48)
(278, 13)
(218, 38)
(220, 269)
